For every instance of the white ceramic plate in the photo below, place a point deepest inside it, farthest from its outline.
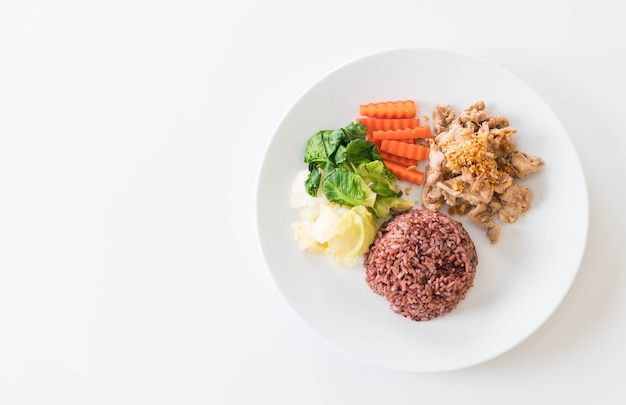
(520, 281)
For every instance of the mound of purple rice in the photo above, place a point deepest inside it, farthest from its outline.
(423, 263)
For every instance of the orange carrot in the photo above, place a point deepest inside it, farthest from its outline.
(407, 150)
(386, 124)
(407, 133)
(405, 173)
(388, 157)
(389, 109)
(377, 142)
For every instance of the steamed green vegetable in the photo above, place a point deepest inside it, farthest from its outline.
(348, 188)
(385, 206)
(350, 171)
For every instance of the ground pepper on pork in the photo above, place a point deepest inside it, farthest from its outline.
(473, 168)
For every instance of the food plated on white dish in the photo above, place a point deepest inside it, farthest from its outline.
(523, 268)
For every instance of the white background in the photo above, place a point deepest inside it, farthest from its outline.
(131, 135)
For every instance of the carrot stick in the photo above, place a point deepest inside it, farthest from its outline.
(389, 109)
(388, 157)
(407, 150)
(386, 124)
(407, 133)
(404, 173)
(377, 142)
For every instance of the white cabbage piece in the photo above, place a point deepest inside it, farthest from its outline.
(342, 233)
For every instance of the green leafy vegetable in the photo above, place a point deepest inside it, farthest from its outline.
(315, 151)
(349, 171)
(380, 179)
(361, 151)
(348, 188)
(312, 183)
(385, 206)
(354, 130)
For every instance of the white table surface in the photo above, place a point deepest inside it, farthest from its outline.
(131, 135)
